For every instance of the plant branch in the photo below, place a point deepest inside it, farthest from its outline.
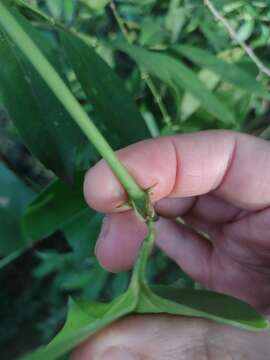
(145, 76)
(23, 4)
(120, 21)
(64, 95)
(264, 69)
(139, 271)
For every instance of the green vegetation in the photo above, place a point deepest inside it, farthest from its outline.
(73, 71)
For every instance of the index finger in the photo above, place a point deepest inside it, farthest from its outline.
(234, 166)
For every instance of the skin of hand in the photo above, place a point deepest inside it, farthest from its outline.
(218, 182)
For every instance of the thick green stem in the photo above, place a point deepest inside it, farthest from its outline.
(62, 92)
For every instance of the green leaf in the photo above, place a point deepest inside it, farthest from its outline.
(95, 4)
(14, 197)
(237, 99)
(228, 71)
(200, 303)
(53, 208)
(118, 284)
(176, 18)
(84, 320)
(189, 104)
(90, 282)
(151, 33)
(246, 31)
(106, 92)
(69, 8)
(43, 123)
(82, 232)
(178, 76)
(55, 7)
(97, 282)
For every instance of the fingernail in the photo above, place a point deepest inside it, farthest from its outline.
(104, 231)
(119, 354)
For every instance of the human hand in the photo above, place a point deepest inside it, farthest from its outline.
(217, 181)
(164, 337)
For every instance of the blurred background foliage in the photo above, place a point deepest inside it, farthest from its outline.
(36, 279)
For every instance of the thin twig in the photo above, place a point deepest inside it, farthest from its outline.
(120, 21)
(145, 76)
(264, 69)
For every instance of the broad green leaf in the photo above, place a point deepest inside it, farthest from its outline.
(106, 92)
(43, 123)
(84, 320)
(227, 71)
(53, 208)
(200, 303)
(14, 198)
(178, 76)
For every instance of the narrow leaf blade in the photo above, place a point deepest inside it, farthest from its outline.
(228, 71)
(106, 92)
(44, 125)
(177, 75)
(205, 304)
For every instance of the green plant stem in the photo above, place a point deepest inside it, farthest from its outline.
(145, 76)
(62, 92)
(120, 21)
(138, 279)
(49, 19)
(158, 99)
(139, 271)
